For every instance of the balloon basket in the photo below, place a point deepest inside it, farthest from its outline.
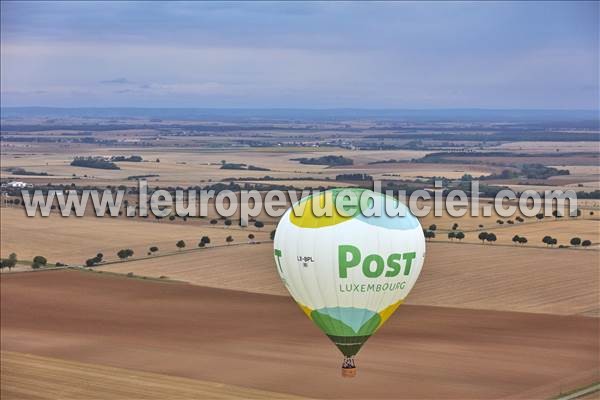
(349, 372)
(348, 368)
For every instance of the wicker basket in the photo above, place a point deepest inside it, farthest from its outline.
(348, 372)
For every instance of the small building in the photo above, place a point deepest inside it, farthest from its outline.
(18, 185)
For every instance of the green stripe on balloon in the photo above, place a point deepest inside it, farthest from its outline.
(346, 321)
(349, 345)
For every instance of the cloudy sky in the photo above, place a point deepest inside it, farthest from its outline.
(304, 55)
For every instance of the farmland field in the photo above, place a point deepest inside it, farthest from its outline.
(564, 231)
(246, 268)
(181, 167)
(218, 321)
(29, 376)
(227, 200)
(455, 275)
(73, 240)
(252, 341)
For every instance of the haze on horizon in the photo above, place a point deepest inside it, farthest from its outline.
(301, 55)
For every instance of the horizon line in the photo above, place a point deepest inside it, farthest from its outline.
(306, 108)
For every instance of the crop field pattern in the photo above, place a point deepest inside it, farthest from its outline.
(188, 331)
(484, 321)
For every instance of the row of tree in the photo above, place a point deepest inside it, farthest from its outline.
(487, 237)
(124, 254)
(454, 234)
(540, 216)
(576, 241)
(491, 237)
(214, 221)
(10, 262)
(519, 239)
(90, 262)
(510, 221)
(433, 227)
(37, 262)
(228, 222)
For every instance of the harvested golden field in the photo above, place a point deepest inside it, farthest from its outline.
(587, 186)
(547, 158)
(579, 170)
(187, 167)
(455, 275)
(26, 376)
(580, 176)
(552, 281)
(468, 222)
(545, 147)
(302, 184)
(417, 170)
(176, 167)
(198, 165)
(563, 230)
(249, 268)
(73, 240)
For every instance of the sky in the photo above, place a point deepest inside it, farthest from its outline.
(517, 55)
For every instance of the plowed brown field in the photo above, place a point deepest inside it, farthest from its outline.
(266, 343)
(25, 376)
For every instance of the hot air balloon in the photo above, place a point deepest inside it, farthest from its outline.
(348, 271)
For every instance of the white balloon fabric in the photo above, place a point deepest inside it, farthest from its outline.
(347, 271)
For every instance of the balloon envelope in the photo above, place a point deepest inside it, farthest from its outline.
(348, 272)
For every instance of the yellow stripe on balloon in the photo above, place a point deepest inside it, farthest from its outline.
(306, 310)
(331, 217)
(388, 311)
